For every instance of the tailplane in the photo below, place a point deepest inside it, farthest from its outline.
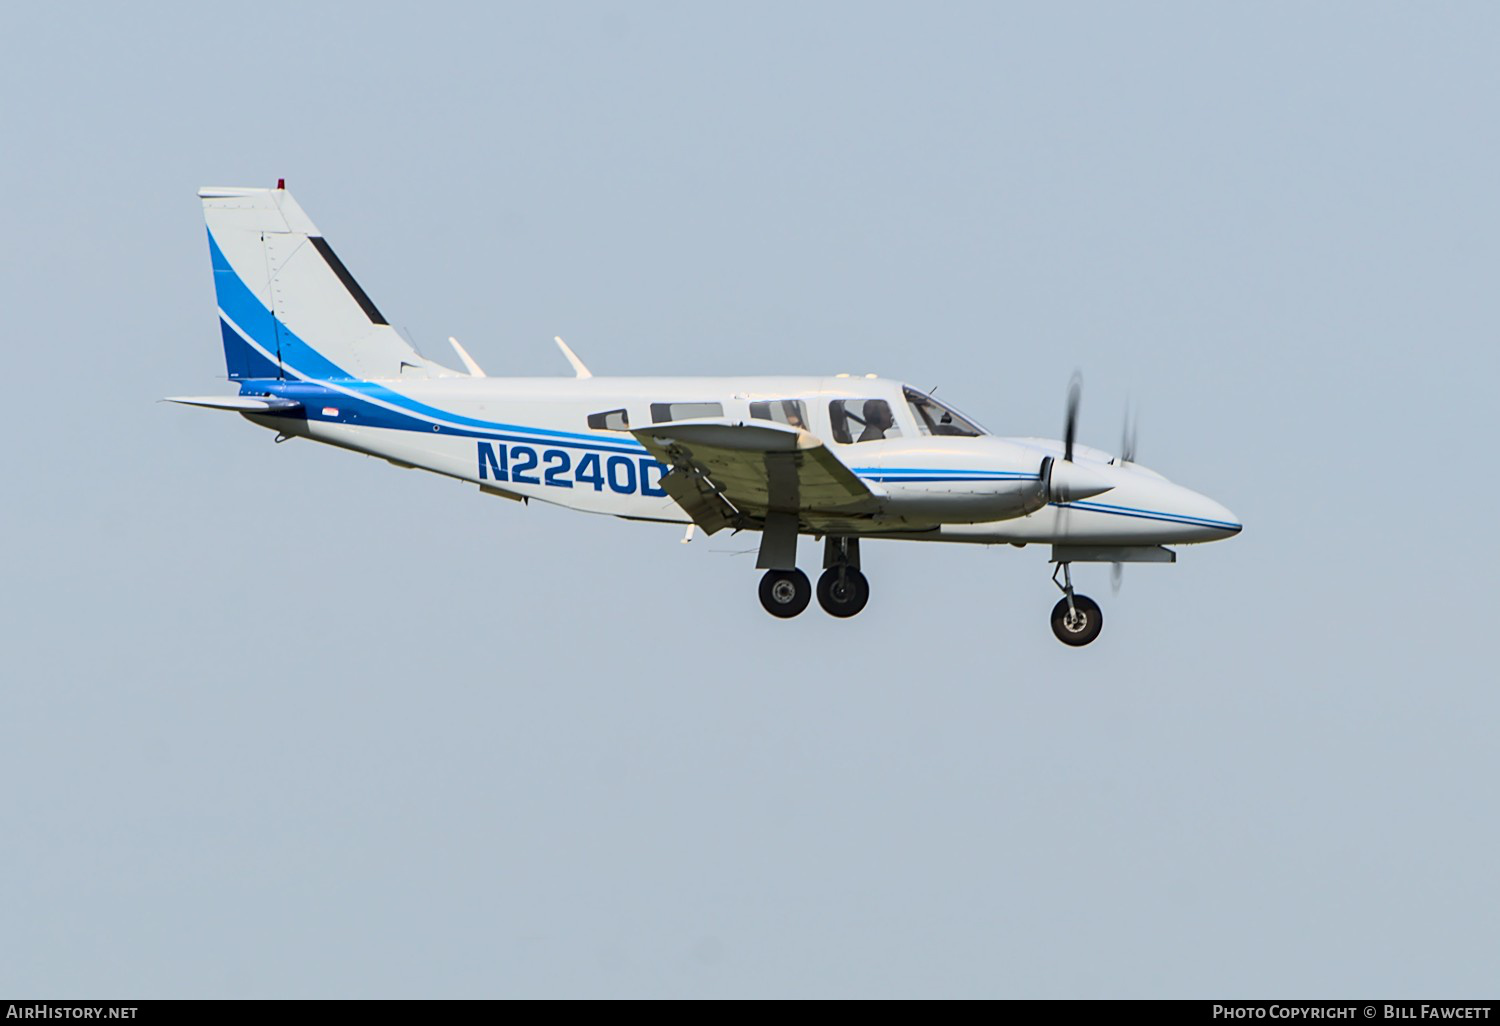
(288, 307)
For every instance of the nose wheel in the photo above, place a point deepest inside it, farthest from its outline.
(1079, 624)
(1076, 619)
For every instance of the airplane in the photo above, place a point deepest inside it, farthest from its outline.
(841, 458)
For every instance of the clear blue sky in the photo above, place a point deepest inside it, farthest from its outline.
(283, 721)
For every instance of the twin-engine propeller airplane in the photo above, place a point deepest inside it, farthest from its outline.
(839, 458)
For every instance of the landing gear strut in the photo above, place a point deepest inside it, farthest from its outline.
(1076, 619)
(842, 590)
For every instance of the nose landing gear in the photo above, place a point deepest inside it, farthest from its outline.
(1076, 619)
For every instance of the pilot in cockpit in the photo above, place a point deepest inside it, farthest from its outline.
(877, 418)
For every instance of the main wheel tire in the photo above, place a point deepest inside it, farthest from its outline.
(785, 593)
(1080, 628)
(843, 598)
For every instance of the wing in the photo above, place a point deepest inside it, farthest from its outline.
(732, 473)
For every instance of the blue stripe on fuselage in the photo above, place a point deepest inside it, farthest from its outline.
(354, 410)
(1147, 514)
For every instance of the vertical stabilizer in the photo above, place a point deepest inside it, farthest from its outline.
(288, 306)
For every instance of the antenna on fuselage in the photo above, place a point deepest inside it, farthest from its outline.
(578, 367)
(475, 371)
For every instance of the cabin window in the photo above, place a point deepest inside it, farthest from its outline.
(610, 420)
(661, 413)
(790, 412)
(862, 420)
(933, 418)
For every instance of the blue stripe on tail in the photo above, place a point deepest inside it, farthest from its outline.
(302, 361)
(243, 360)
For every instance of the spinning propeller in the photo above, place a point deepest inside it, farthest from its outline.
(1128, 435)
(1064, 480)
(1070, 423)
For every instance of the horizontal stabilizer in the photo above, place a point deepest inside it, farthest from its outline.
(238, 403)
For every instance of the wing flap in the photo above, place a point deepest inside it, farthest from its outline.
(723, 472)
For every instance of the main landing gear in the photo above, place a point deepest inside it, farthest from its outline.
(1076, 619)
(842, 590)
(785, 593)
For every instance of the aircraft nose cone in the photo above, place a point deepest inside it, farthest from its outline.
(1213, 520)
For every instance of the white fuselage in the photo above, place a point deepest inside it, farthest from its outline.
(532, 438)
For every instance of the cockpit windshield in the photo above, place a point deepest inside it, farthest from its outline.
(933, 418)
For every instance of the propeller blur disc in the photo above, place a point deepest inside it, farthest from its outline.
(1070, 425)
